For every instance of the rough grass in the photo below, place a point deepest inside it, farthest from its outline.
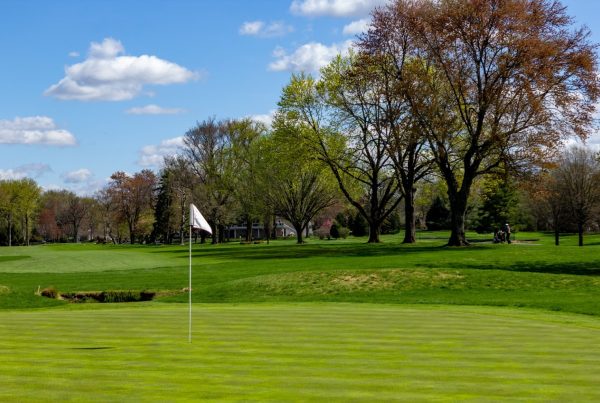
(298, 352)
(532, 273)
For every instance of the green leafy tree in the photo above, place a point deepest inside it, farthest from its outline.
(341, 136)
(300, 185)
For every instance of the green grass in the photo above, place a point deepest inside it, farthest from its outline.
(298, 352)
(338, 320)
(532, 273)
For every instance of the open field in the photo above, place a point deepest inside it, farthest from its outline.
(282, 352)
(340, 320)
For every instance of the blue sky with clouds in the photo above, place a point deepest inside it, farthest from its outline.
(92, 87)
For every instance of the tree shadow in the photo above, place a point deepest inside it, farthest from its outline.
(576, 268)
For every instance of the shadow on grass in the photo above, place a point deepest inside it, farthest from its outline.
(275, 252)
(576, 268)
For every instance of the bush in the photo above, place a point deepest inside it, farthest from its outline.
(322, 233)
(333, 231)
(49, 292)
(343, 232)
(358, 225)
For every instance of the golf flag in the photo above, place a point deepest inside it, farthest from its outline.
(197, 220)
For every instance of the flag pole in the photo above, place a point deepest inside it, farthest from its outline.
(190, 289)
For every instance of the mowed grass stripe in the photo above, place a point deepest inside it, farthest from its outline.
(298, 352)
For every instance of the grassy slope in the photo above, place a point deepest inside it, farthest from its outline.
(533, 273)
(282, 352)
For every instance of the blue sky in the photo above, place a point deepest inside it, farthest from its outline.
(91, 87)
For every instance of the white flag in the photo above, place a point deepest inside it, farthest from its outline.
(197, 220)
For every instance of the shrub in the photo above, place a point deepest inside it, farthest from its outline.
(334, 232)
(343, 232)
(322, 233)
(49, 292)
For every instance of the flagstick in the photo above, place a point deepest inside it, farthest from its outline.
(190, 290)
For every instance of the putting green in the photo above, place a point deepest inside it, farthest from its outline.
(313, 351)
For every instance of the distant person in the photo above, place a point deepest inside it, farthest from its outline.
(507, 232)
(497, 236)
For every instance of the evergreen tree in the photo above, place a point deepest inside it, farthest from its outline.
(438, 216)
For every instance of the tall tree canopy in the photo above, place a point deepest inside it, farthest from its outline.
(489, 82)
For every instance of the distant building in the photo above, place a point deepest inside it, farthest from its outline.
(282, 229)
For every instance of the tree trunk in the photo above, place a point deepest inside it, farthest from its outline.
(9, 229)
(458, 207)
(131, 234)
(27, 229)
(373, 233)
(409, 217)
(248, 228)
(580, 232)
(182, 223)
(299, 229)
(556, 236)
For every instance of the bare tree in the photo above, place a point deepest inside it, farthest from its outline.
(72, 214)
(207, 147)
(578, 177)
(132, 196)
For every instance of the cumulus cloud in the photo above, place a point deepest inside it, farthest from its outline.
(357, 27)
(335, 8)
(259, 28)
(78, 176)
(153, 110)
(266, 118)
(34, 130)
(309, 57)
(251, 27)
(108, 75)
(154, 155)
(25, 171)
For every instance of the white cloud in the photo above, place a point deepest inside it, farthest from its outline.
(251, 27)
(267, 118)
(25, 171)
(34, 130)
(78, 176)
(335, 8)
(308, 57)
(107, 75)
(357, 27)
(153, 155)
(153, 110)
(73, 54)
(259, 28)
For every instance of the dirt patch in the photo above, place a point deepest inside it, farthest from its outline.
(4, 289)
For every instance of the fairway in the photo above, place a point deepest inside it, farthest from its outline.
(314, 351)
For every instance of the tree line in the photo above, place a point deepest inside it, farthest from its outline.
(459, 106)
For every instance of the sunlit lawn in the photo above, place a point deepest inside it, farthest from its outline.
(338, 320)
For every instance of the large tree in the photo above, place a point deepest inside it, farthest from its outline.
(133, 197)
(300, 186)
(363, 91)
(208, 148)
(490, 82)
(246, 178)
(341, 134)
(72, 213)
